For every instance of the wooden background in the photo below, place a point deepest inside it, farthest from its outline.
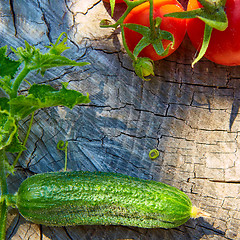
(189, 115)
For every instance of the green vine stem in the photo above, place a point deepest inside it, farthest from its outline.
(18, 81)
(4, 189)
(25, 141)
(130, 54)
(130, 6)
(4, 192)
(63, 146)
(3, 218)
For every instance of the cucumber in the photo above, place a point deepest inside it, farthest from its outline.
(98, 198)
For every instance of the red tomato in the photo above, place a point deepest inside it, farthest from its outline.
(116, 1)
(140, 15)
(224, 46)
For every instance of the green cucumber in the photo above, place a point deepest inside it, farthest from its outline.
(98, 198)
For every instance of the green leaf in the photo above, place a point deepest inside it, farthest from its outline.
(8, 168)
(42, 96)
(4, 103)
(8, 128)
(8, 67)
(25, 54)
(6, 84)
(35, 60)
(59, 47)
(49, 96)
(47, 60)
(16, 145)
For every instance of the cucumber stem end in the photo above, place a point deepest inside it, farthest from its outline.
(197, 212)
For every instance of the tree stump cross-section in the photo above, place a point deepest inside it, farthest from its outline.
(189, 114)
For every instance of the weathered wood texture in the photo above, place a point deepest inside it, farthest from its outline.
(189, 115)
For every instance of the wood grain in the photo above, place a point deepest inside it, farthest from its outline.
(189, 115)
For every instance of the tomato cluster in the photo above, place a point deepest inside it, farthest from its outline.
(223, 46)
(140, 15)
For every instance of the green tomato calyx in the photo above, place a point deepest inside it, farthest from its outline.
(151, 36)
(212, 13)
(144, 67)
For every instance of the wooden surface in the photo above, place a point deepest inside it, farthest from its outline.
(189, 115)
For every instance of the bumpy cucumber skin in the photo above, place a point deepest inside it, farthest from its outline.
(98, 198)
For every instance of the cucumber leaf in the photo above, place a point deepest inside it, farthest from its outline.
(35, 60)
(47, 60)
(8, 128)
(8, 67)
(58, 47)
(42, 96)
(16, 145)
(6, 84)
(4, 104)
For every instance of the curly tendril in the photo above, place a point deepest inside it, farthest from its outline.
(154, 153)
(61, 145)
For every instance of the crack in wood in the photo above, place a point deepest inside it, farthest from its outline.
(41, 232)
(124, 111)
(90, 8)
(44, 18)
(14, 227)
(11, 4)
(222, 181)
(67, 233)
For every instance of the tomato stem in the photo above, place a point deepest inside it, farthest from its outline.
(130, 54)
(151, 20)
(130, 6)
